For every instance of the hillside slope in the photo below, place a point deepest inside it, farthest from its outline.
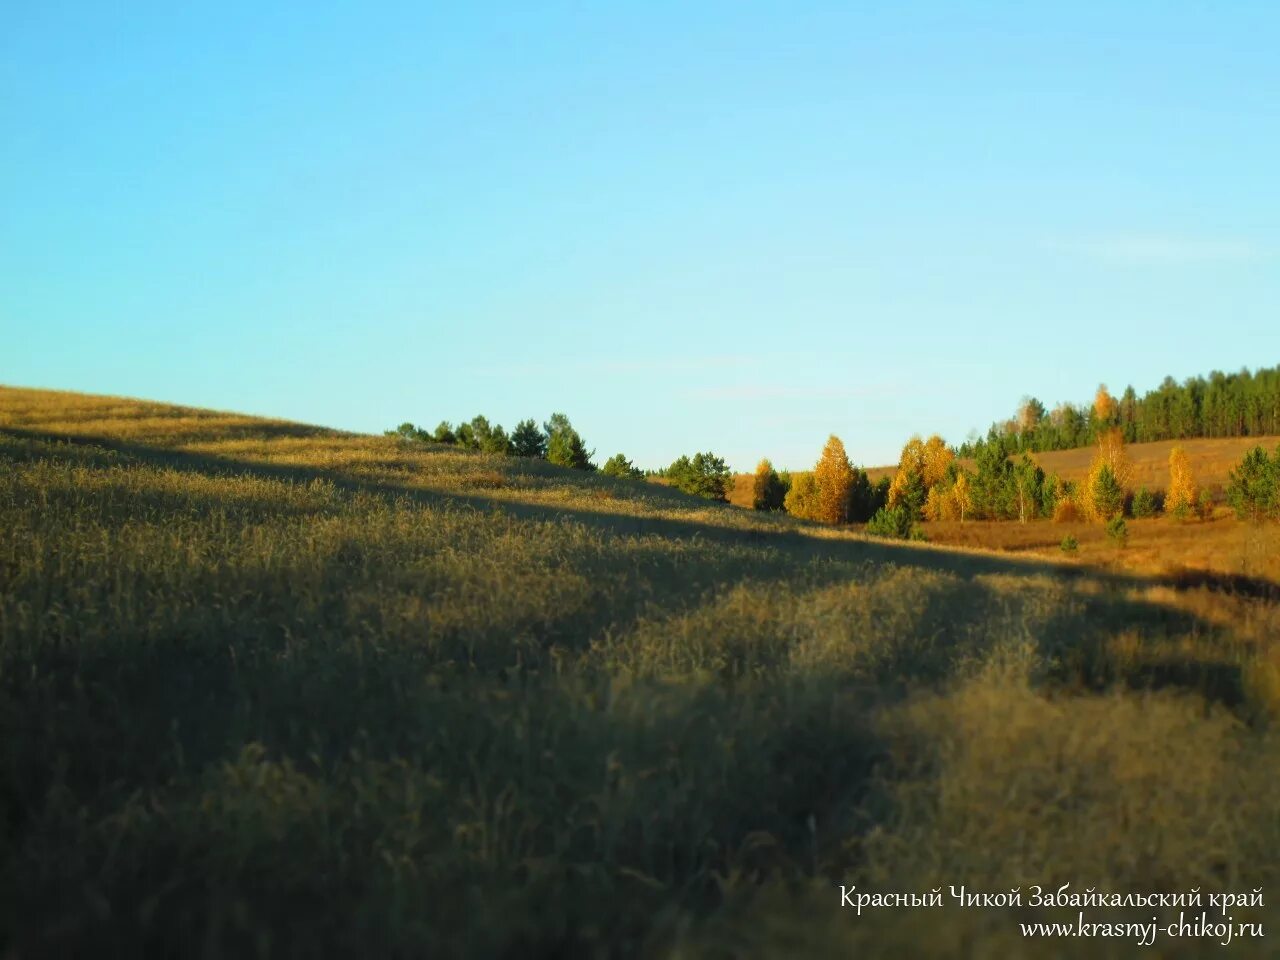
(269, 689)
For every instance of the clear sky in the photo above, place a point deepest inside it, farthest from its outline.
(690, 226)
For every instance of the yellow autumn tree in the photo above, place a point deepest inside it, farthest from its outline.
(936, 506)
(1112, 455)
(802, 499)
(1105, 408)
(935, 462)
(924, 465)
(962, 495)
(909, 475)
(946, 503)
(1181, 497)
(833, 477)
(767, 488)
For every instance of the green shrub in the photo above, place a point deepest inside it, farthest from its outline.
(703, 475)
(768, 492)
(1070, 544)
(1253, 490)
(1144, 504)
(1205, 505)
(1107, 494)
(895, 523)
(620, 466)
(1117, 531)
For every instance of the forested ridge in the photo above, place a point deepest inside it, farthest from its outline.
(1240, 404)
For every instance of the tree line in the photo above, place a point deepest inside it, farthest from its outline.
(558, 442)
(1240, 404)
(1006, 483)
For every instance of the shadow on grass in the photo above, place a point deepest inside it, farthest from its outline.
(528, 776)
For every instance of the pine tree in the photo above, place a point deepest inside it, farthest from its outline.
(527, 440)
(1143, 505)
(1030, 412)
(1028, 479)
(496, 441)
(564, 445)
(619, 466)
(1253, 487)
(993, 495)
(703, 475)
(1106, 496)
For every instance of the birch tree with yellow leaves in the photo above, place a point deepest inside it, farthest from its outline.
(1111, 468)
(1181, 497)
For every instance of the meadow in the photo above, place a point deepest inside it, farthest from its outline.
(273, 690)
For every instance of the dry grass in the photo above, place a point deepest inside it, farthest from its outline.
(1159, 546)
(268, 689)
(1211, 460)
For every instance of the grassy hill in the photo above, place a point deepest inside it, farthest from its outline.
(269, 689)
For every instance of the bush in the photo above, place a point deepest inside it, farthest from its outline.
(1069, 544)
(801, 500)
(1117, 531)
(1065, 511)
(1144, 504)
(1205, 505)
(1106, 495)
(865, 497)
(895, 523)
(703, 475)
(620, 466)
(767, 491)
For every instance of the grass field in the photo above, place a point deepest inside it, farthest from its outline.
(1220, 548)
(274, 690)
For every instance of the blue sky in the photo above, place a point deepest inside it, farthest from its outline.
(736, 227)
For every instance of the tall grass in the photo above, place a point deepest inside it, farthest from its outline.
(285, 692)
